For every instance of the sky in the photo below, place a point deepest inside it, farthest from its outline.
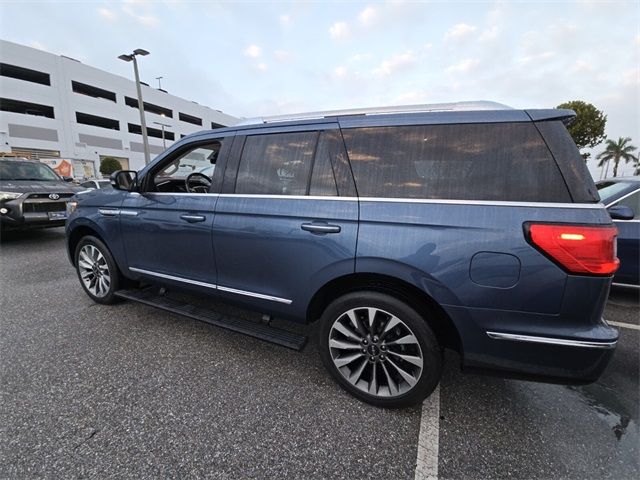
(259, 58)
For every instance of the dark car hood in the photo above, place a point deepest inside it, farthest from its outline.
(32, 186)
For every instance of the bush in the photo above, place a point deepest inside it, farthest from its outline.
(108, 165)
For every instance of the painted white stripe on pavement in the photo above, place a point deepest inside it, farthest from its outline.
(624, 325)
(429, 438)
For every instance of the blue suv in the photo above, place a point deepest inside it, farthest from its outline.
(469, 226)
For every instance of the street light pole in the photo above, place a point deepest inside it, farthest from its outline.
(164, 143)
(143, 123)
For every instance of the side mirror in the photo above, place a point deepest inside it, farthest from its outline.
(620, 212)
(67, 179)
(126, 180)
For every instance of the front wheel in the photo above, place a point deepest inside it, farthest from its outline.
(380, 349)
(97, 271)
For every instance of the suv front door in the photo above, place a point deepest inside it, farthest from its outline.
(284, 226)
(166, 226)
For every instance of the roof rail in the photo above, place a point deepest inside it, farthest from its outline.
(435, 107)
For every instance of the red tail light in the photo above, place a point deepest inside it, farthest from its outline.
(579, 249)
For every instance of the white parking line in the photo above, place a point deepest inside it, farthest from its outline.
(429, 438)
(624, 325)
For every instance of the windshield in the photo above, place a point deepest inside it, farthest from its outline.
(12, 170)
(608, 190)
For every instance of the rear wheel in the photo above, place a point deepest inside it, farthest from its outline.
(380, 349)
(97, 271)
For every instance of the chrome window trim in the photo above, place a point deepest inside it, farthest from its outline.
(211, 285)
(496, 203)
(550, 340)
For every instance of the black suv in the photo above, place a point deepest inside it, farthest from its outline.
(32, 195)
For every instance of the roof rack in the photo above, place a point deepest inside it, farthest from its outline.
(435, 107)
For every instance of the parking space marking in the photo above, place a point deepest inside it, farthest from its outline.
(624, 325)
(429, 438)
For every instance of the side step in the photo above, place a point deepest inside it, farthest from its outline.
(150, 296)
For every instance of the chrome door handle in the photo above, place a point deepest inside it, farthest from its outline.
(320, 228)
(193, 218)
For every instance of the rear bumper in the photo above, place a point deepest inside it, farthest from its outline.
(544, 358)
(548, 348)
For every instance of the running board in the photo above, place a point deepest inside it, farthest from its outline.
(151, 297)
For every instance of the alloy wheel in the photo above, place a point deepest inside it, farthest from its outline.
(376, 352)
(94, 270)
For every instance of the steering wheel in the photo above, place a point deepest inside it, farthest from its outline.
(203, 181)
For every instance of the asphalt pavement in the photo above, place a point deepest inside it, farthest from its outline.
(88, 390)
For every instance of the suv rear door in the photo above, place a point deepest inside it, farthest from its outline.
(286, 222)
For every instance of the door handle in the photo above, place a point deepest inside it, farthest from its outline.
(193, 218)
(320, 228)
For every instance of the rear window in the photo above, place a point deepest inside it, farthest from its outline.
(501, 161)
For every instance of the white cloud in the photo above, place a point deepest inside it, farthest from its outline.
(459, 31)
(368, 16)
(410, 98)
(637, 40)
(580, 66)
(261, 67)
(340, 72)
(463, 66)
(36, 44)
(339, 30)
(107, 14)
(146, 20)
(489, 34)
(359, 57)
(395, 63)
(253, 51)
(149, 20)
(538, 57)
(283, 56)
(285, 19)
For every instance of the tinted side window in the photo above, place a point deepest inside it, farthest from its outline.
(501, 161)
(571, 164)
(276, 164)
(323, 180)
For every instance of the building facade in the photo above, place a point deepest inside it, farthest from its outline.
(71, 115)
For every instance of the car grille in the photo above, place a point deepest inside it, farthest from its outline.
(32, 207)
(40, 202)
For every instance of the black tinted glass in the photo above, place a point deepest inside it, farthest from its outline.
(323, 181)
(572, 165)
(276, 164)
(501, 161)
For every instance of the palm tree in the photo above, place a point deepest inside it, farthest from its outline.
(616, 151)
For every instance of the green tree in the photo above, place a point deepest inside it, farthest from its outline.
(616, 151)
(108, 165)
(587, 130)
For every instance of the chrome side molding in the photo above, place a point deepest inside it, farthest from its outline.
(212, 286)
(550, 340)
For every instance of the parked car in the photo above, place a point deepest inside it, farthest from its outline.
(468, 226)
(32, 195)
(621, 196)
(96, 184)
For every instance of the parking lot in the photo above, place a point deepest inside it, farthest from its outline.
(91, 391)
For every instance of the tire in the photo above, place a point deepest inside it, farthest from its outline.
(395, 363)
(97, 271)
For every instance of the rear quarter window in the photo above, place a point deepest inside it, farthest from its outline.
(500, 161)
